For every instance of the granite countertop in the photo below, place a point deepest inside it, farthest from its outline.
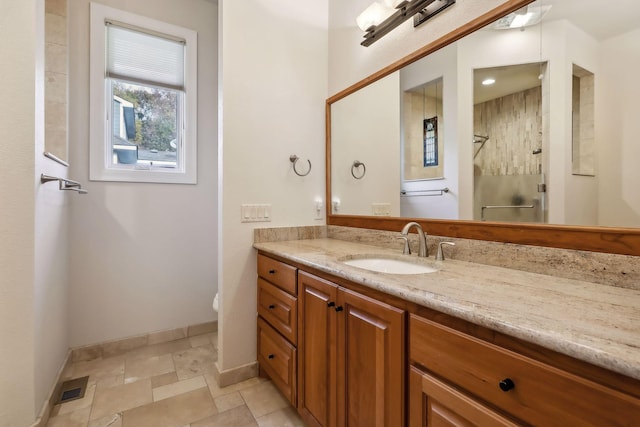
(595, 323)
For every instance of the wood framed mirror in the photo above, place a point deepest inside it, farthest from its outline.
(608, 239)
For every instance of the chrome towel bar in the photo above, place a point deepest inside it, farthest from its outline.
(415, 193)
(64, 183)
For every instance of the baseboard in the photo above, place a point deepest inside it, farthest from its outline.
(235, 375)
(119, 346)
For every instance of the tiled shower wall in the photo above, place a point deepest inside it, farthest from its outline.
(56, 73)
(513, 124)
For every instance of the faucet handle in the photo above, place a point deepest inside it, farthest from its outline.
(440, 254)
(407, 249)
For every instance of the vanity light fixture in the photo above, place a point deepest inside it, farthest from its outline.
(489, 81)
(523, 17)
(378, 19)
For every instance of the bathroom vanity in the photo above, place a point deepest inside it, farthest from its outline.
(468, 344)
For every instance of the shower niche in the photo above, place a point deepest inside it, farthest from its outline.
(582, 119)
(423, 148)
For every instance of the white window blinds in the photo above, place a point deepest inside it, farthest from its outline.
(144, 58)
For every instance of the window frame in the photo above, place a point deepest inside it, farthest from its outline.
(100, 147)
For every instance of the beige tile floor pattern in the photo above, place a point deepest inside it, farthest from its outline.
(169, 385)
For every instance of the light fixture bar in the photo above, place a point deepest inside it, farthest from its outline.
(405, 10)
(431, 11)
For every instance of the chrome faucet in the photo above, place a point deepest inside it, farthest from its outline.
(440, 254)
(422, 240)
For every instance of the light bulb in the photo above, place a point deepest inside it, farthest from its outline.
(394, 4)
(372, 16)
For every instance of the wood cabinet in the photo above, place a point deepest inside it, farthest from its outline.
(345, 355)
(351, 357)
(535, 393)
(277, 324)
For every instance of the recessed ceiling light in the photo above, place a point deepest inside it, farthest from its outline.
(488, 81)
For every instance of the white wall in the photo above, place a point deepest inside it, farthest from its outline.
(580, 192)
(33, 230)
(618, 130)
(274, 84)
(143, 256)
(51, 280)
(366, 127)
(17, 234)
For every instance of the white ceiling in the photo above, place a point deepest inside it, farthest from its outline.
(509, 79)
(602, 19)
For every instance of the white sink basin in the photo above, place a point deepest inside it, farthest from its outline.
(389, 265)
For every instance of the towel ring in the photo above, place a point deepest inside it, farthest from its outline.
(356, 164)
(294, 159)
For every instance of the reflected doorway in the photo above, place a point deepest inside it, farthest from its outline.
(508, 143)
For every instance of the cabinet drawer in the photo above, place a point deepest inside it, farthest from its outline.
(278, 273)
(277, 358)
(279, 309)
(541, 394)
(435, 403)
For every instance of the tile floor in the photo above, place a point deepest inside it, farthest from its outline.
(169, 385)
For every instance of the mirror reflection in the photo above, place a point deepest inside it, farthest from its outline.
(509, 183)
(423, 151)
(552, 139)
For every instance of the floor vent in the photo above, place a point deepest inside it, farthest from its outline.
(72, 390)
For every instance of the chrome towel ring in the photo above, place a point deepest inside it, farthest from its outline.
(356, 165)
(294, 159)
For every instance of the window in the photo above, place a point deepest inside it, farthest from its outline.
(430, 142)
(143, 99)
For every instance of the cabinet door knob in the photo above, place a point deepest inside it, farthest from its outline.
(272, 272)
(271, 356)
(272, 306)
(507, 384)
(339, 308)
(331, 304)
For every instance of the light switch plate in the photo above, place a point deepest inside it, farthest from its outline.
(255, 213)
(381, 209)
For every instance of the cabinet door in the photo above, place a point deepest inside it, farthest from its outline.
(370, 362)
(433, 403)
(316, 344)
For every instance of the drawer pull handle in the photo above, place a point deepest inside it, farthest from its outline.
(339, 308)
(331, 304)
(272, 306)
(272, 272)
(271, 356)
(507, 384)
